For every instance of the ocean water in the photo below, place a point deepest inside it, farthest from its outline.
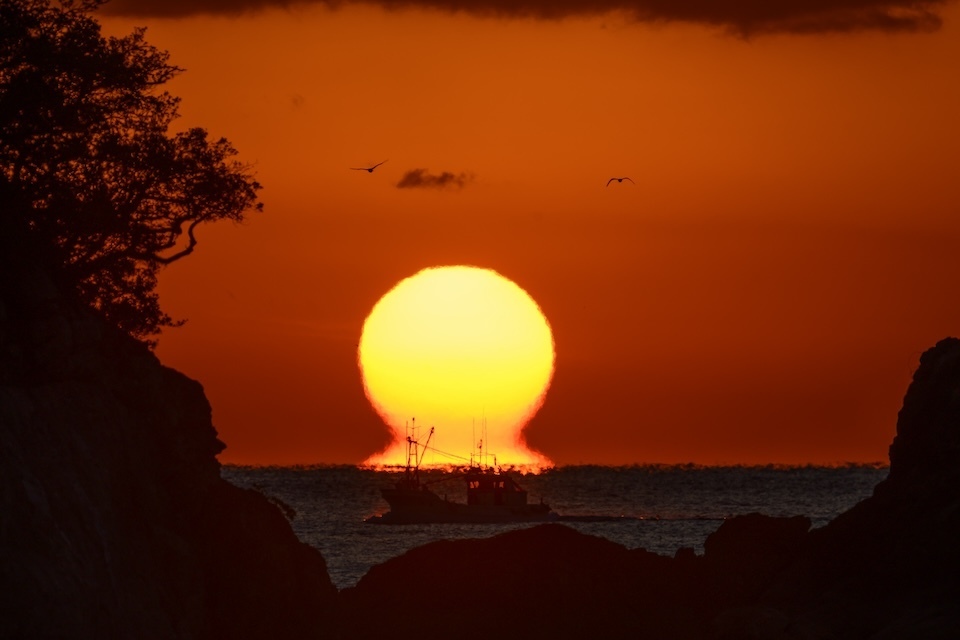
(668, 506)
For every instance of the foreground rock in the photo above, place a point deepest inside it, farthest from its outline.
(552, 581)
(114, 522)
(886, 569)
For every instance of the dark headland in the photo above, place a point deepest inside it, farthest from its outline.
(115, 523)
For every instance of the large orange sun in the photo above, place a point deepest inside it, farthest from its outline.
(461, 349)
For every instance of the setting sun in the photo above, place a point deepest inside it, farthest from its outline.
(457, 348)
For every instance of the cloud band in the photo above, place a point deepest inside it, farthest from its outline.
(741, 17)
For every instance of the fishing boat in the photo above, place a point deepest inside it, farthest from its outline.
(492, 496)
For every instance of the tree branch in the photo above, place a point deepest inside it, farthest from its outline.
(187, 250)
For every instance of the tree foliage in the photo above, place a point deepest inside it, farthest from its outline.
(94, 186)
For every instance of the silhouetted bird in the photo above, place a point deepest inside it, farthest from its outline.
(619, 180)
(368, 169)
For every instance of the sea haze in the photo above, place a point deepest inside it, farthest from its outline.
(667, 507)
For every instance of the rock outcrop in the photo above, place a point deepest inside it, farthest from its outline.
(888, 567)
(552, 581)
(114, 521)
(885, 569)
(546, 581)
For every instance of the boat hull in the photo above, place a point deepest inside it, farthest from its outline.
(420, 506)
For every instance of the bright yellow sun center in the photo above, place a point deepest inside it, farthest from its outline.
(457, 348)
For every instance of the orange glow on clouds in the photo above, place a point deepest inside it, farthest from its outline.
(454, 348)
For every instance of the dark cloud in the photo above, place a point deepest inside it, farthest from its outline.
(741, 17)
(421, 179)
(185, 8)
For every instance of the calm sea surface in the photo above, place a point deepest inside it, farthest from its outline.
(679, 506)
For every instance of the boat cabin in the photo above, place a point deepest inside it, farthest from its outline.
(491, 488)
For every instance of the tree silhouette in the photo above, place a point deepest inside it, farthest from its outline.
(94, 188)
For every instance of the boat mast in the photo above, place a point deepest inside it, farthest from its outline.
(414, 456)
(478, 458)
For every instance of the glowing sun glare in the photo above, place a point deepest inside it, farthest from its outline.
(456, 348)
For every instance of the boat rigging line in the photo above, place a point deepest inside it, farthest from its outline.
(444, 453)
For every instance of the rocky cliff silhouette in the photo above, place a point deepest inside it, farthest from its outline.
(114, 521)
(888, 568)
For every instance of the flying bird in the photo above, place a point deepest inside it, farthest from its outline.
(619, 180)
(368, 169)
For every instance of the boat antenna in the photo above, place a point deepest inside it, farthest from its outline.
(425, 445)
(411, 432)
(484, 457)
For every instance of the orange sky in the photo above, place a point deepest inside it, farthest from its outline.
(762, 294)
